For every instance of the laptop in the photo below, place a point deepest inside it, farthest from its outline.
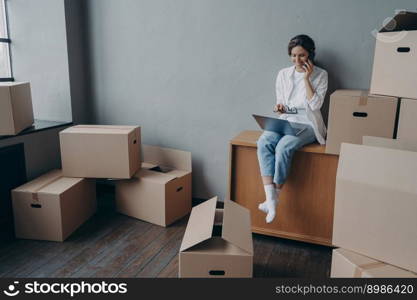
(283, 127)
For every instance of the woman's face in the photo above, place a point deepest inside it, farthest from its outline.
(299, 56)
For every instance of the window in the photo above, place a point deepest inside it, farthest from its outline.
(5, 64)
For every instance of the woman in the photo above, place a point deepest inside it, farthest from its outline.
(303, 87)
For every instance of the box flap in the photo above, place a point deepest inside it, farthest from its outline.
(100, 129)
(403, 20)
(350, 93)
(237, 226)
(166, 157)
(200, 224)
(13, 83)
(218, 246)
(40, 182)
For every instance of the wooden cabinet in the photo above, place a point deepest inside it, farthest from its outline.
(305, 210)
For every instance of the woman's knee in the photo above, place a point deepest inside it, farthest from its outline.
(268, 139)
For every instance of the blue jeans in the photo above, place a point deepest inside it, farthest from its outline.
(275, 152)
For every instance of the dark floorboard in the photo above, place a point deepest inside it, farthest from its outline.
(114, 245)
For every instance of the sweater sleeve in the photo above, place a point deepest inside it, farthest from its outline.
(320, 92)
(279, 89)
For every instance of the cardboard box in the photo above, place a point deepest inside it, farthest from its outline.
(407, 123)
(217, 242)
(376, 204)
(395, 60)
(100, 151)
(16, 112)
(349, 264)
(390, 143)
(51, 207)
(160, 192)
(355, 113)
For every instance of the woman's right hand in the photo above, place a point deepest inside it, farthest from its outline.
(279, 108)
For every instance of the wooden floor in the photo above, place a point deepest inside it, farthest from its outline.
(114, 245)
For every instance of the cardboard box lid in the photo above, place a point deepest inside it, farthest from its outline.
(362, 94)
(157, 177)
(100, 129)
(50, 183)
(403, 20)
(371, 266)
(13, 83)
(167, 157)
(200, 224)
(236, 227)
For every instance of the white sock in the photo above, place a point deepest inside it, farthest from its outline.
(271, 193)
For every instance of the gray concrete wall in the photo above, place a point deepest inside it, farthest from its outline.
(40, 55)
(191, 72)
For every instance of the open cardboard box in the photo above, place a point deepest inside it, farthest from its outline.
(160, 192)
(217, 242)
(349, 264)
(376, 204)
(16, 111)
(100, 151)
(51, 206)
(355, 113)
(395, 60)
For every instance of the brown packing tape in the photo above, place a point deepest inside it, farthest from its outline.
(35, 192)
(359, 269)
(363, 98)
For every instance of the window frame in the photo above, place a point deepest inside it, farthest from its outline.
(7, 40)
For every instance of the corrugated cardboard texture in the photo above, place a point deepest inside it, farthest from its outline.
(349, 264)
(376, 204)
(395, 68)
(16, 111)
(407, 145)
(407, 124)
(96, 151)
(353, 115)
(51, 207)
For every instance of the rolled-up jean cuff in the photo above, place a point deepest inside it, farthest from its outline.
(269, 175)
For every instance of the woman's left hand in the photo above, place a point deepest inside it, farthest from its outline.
(308, 68)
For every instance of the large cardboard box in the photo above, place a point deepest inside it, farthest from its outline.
(349, 264)
(217, 242)
(407, 123)
(395, 60)
(355, 113)
(376, 204)
(51, 207)
(100, 151)
(16, 112)
(160, 192)
(408, 145)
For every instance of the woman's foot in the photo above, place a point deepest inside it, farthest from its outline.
(269, 205)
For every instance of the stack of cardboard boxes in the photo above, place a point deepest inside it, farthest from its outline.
(375, 134)
(54, 205)
(16, 112)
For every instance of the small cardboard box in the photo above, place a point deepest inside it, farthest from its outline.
(349, 264)
(407, 123)
(16, 112)
(217, 242)
(355, 113)
(395, 60)
(100, 151)
(160, 192)
(390, 143)
(376, 204)
(51, 206)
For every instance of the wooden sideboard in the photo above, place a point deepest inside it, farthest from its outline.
(305, 210)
